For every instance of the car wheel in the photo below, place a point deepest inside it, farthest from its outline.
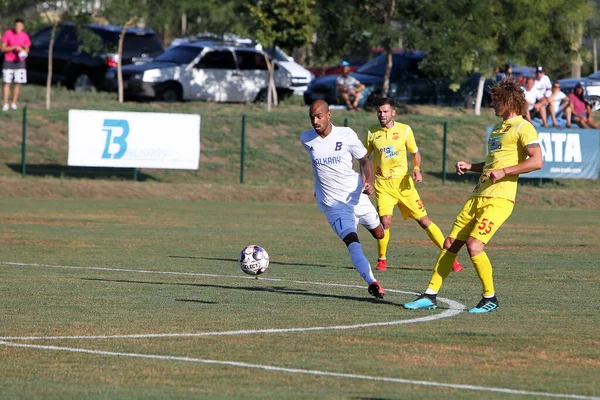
(261, 97)
(171, 93)
(83, 83)
(594, 102)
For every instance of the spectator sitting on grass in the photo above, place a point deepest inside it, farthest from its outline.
(349, 88)
(582, 111)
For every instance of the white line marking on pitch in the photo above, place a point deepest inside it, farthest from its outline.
(454, 309)
(300, 371)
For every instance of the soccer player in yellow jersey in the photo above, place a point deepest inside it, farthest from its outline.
(513, 149)
(394, 185)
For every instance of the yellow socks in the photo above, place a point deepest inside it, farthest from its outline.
(482, 265)
(435, 234)
(442, 269)
(382, 244)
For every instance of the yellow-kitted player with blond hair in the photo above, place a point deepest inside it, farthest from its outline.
(513, 149)
(389, 142)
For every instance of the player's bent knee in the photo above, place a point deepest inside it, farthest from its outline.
(475, 246)
(448, 243)
(386, 221)
(350, 238)
(378, 233)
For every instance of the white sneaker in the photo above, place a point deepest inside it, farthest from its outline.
(5, 107)
(13, 106)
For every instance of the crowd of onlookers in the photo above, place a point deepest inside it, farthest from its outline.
(545, 99)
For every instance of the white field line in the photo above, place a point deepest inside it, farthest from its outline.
(454, 309)
(301, 371)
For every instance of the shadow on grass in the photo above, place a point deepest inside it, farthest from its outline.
(291, 264)
(474, 178)
(268, 289)
(64, 171)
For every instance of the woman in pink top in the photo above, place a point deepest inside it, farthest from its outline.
(582, 111)
(15, 46)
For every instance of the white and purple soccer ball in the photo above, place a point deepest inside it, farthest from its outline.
(254, 260)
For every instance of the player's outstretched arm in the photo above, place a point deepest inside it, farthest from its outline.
(367, 175)
(463, 166)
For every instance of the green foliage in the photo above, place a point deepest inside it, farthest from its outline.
(286, 23)
(465, 36)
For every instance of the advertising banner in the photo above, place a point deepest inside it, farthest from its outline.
(133, 139)
(567, 153)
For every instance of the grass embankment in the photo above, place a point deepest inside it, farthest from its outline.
(276, 167)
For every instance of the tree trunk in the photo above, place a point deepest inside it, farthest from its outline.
(388, 70)
(388, 49)
(120, 59)
(49, 79)
(595, 53)
(271, 90)
(183, 23)
(479, 95)
(576, 46)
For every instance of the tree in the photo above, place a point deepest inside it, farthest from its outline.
(287, 23)
(55, 13)
(466, 36)
(125, 13)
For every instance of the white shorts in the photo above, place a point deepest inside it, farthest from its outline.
(345, 219)
(14, 72)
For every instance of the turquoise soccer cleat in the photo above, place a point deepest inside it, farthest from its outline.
(486, 305)
(423, 302)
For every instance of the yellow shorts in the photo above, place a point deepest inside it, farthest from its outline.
(480, 218)
(401, 192)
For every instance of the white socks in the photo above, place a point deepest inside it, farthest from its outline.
(360, 262)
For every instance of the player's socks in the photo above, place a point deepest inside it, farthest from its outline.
(360, 262)
(482, 265)
(442, 269)
(382, 245)
(435, 234)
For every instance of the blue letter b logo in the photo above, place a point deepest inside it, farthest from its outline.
(119, 140)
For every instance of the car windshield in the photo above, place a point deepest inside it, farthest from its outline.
(277, 54)
(133, 43)
(179, 55)
(595, 75)
(374, 67)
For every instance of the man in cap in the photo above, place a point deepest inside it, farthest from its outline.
(349, 88)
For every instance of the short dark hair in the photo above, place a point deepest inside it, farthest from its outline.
(19, 20)
(386, 100)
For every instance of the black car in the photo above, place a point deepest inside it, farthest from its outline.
(79, 70)
(408, 84)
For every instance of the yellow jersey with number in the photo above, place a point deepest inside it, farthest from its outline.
(389, 148)
(505, 148)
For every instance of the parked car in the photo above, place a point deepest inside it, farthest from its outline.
(194, 71)
(301, 77)
(408, 84)
(591, 88)
(79, 70)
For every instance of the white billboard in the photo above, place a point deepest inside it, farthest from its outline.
(133, 139)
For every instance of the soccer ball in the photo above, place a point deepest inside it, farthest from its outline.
(254, 260)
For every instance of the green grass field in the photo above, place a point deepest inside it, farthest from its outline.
(72, 267)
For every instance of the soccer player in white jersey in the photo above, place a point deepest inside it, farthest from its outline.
(341, 192)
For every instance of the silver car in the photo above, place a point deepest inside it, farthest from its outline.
(199, 72)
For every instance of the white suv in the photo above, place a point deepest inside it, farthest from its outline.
(195, 71)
